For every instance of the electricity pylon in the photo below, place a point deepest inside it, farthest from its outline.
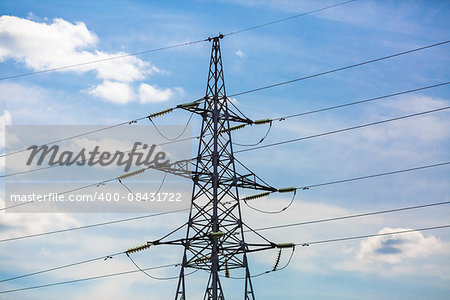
(211, 242)
(214, 239)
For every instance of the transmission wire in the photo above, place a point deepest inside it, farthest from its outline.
(272, 212)
(176, 138)
(155, 277)
(343, 129)
(339, 69)
(171, 46)
(85, 279)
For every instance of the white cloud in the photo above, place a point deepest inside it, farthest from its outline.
(15, 93)
(32, 104)
(59, 43)
(148, 93)
(127, 69)
(41, 46)
(398, 255)
(416, 139)
(114, 91)
(424, 129)
(5, 119)
(395, 248)
(415, 251)
(414, 103)
(240, 54)
(17, 224)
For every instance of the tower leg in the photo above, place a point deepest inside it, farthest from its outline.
(249, 295)
(181, 294)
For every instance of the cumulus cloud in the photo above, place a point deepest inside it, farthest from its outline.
(122, 92)
(49, 45)
(398, 255)
(126, 69)
(395, 248)
(59, 42)
(389, 256)
(114, 91)
(148, 93)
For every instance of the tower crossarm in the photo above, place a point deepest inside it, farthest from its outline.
(197, 107)
(182, 168)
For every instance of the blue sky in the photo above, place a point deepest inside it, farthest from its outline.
(38, 35)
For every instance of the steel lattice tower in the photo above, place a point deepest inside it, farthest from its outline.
(215, 239)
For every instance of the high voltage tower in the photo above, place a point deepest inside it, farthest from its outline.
(214, 239)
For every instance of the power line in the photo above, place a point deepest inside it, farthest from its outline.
(299, 188)
(143, 52)
(240, 223)
(361, 101)
(371, 235)
(280, 143)
(156, 277)
(174, 139)
(86, 279)
(261, 88)
(28, 171)
(92, 225)
(272, 211)
(169, 47)
(374, 175)
(102, 60)
(307, 187)
(174, 265)
(118, 178)
(352, 216)
(97, 184)
(86, 159)
(279, 119)
(251, 91)
(63, 266)
(79, 135)
(295, 140)
(288, 18)
(177, 139)
(339, 69)
(271, 270)
(62, 193)
(344, 129)
(99, 130)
